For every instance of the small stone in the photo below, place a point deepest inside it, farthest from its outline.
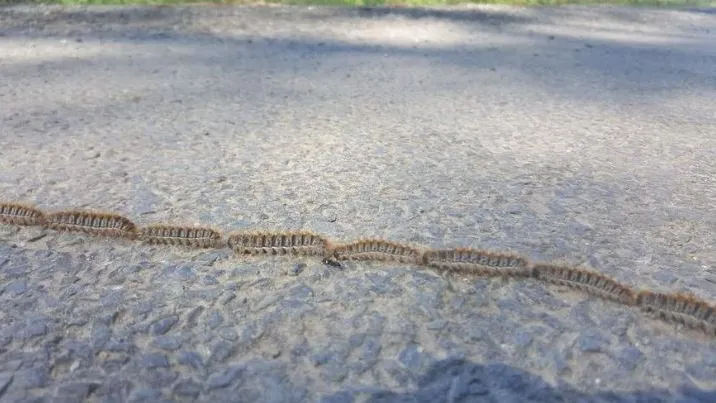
(224, 378)
(143, 307)
(100, 335)
(523, 339)
(228, 333)
(339, 397)
(31, 378)
(376, 322)
(297, 269)
(221, 350)
(185, 273)
(334, 372)
(457, 302)
(167, 343)
(267, 301)
(75, 391)
(411, 358)
(356, 339)
(146, 395)
(226, 297)
(629, 357)
(193, 316)
(215, 319)
(17, 287)
(591, 341)
(188, 388)
(160, 378)
(209, 280)
(371, 349)
(119, 346)
(162, 326)
(36, 329)
(300, 292)
(191, 359)
(154, 360)
(438, 324)
(322, 357)
(112, 298)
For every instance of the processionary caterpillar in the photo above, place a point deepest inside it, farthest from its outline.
(278, 243)
(478, 262)
(377, 249)
(20, 214)
(684, 309)
(590, 282)
(196, 237)
(679, 308)
(93, 223)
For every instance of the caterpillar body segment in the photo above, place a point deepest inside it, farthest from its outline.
(679, 308)
(378, 250)
(92, 223)
(20, 214)
(195, 237)
(588, 281)
(478, 262)
(279, 243)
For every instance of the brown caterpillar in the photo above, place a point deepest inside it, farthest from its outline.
(588, 281)
(20, 214)
(679, 308)
(279, 243)
(196, 237)
(377, 249)
(478, 262)
(93, 223)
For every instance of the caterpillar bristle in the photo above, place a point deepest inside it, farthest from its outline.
(378, 250)
(679, 308)
(194, 237)
(92, 223)
(478, 262)
(278, 243)
(20, 214)
(588, 281)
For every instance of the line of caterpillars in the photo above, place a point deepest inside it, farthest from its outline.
(678, 308)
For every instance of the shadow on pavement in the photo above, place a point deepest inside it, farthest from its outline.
(458, 380)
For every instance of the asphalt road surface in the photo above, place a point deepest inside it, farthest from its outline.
(582, 134)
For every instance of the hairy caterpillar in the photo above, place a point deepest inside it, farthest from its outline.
(590, 282)
(278, 243)
(377, 249)
(93, 223)
(479, 262)
(196, 237)
(679, 308)
(20, 214)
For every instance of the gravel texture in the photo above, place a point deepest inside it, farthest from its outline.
(587, 134)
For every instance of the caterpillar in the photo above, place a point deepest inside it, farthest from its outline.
(196, 237)
(679, 308)
(377, 249)
(91, 222)
(20, 214)
(278, 243)
(588, 281)
(479, 262)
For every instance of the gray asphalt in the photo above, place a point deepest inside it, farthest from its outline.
(581, 134)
